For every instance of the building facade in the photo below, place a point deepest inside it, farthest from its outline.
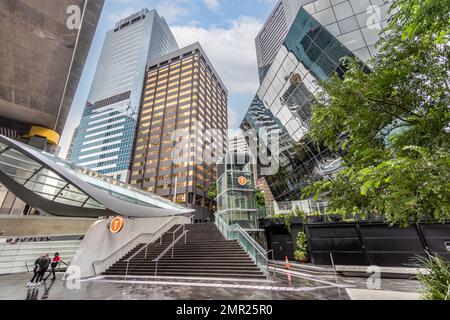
(183, 95)
(237, 143)
(271, 36)
(355, 23)
(322, 33)
(105, 137)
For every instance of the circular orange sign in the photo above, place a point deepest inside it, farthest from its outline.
(116, 225)
(242, 180)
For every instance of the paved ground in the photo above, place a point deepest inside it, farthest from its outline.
(287, 287)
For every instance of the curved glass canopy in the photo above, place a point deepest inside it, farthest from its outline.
(58, 181)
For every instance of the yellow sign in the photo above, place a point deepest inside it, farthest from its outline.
(116, 225)
(242, 180)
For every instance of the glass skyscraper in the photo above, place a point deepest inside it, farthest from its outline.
(322, 33)
(105, 137)
(353, 22)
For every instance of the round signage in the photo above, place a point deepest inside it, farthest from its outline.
(116, 225)
(242, 180)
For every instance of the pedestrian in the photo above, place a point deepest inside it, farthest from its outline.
(35, 272)
(44, 262)
(55, 262)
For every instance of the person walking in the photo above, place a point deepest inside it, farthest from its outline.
(55, 262)
(35, 272)
(44, 262)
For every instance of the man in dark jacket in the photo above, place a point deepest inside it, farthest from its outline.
(35, 272)
(44, 262)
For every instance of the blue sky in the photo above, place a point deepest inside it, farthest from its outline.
(226, 29)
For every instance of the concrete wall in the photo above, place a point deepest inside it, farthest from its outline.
(35, 226)
(100, 244)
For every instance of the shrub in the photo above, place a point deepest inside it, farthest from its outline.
(436, 282)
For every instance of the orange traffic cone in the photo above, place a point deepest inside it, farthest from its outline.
(287, 266)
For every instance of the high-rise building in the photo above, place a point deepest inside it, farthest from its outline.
(355, 23)
(237, 143)
(183, 92)
(321, 34)
(104, 141)
(271, 36)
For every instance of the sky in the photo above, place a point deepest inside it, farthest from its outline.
(226, 29)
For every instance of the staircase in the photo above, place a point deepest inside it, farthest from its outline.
(206, 254)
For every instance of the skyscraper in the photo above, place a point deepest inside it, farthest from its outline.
(271, 36)
(321, 34)
(182, 92)
(104, 141)
(355, 23)
(237, 143)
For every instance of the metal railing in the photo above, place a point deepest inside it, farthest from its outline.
(126, 247)
(192, 219)
(172, 246)
(253, 249)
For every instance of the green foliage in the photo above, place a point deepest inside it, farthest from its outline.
(260, 198)
(436, 283)
(212, 190)
(390, 122)
(287, 218)
(301, 254)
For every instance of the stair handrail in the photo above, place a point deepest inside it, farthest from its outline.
(171, 246)
(225, 230)
(192, 218)
(134, 239)
(256, 246)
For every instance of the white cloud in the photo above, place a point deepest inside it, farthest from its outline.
(212, 4)
(232, 118)
(172, 10)
(231, 51)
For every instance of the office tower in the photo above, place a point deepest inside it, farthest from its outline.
(104, 142)
(182, 91)
(310, 51)
(355, 23)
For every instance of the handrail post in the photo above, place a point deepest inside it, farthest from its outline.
(126, 271)
(156, 268)
(185, 238)
(146, 249)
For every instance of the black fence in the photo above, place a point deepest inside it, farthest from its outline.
(359, 243)
(375, 244)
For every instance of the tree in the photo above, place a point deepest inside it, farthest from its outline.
(212, 190)
(391, 123)
(260, 198)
